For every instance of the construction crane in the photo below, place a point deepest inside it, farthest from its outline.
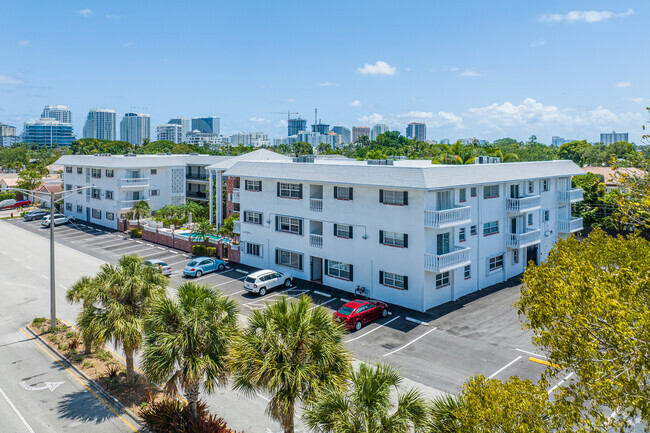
(289, 113)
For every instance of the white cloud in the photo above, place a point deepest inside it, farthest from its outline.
(6, 79)
(407, 69)
(437, 120)
(86, 12)
(469, 73)
(453, 69)
(328, 84)
(259, 120)
(379, 68)
(291, 100)
(128, 44)
(371, 119)
(24, 43)
(538, 43)
(623, 84)
(112, 17)
(638, 100)
(355, 103)
(584, 16)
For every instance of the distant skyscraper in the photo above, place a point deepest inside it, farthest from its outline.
(7, 135)
(57, 112)
(48, 132)
(613, 137)
(135, 127)
(417, 131)
(100, 124)
(557, 141)
(170, 132)
(380, 128)
(206, 125)
(296, 125)
(359, 131)
(255, 139)
(344, 134)
(444, 141)
(321, 128)
(184, 122)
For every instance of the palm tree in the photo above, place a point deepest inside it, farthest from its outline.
(85, 290)
(202, 230)
(187, 340)
(139, 210)
(125, 294)
(441, 414)
(289, 350)
(228, 226)
(365, 405)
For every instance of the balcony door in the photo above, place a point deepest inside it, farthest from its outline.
(563, 184)
(133, 174)
(442, 244)
(513, 225)
(514, 191)
(445, 200)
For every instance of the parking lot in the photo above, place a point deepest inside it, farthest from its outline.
(439, 349)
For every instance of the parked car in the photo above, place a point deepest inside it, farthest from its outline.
(58, 220)
(203, 265)
(261, 282)
(36, 215)
(160, 265)
(13, 204)
(357, 313)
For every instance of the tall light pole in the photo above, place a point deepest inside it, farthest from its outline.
(52, 266)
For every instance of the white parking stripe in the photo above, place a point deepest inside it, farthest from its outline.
(44, 277)
(411, 342)
(237, 293)
(567, 377)
(316, 292)
(63, 287)
(241, 271)
(345, 300)
(323, 303)
(228, 282)
(17, 412)
(504, 367)
(530, 353)
(373, 330)
(29, 267)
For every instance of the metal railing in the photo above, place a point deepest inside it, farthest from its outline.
(132, 182)
(445, 262)
(316, 204)
(128, 204)
(524, 204)
(447, 217)
(570, 195)
(195, 176)
(574, 225)
(316, 241)
(521, 240)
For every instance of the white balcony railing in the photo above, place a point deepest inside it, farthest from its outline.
(140, 182)
(524, 204)
(235, 196)
(316, 241)
(236, 227)
(445, 262)
(316, 205)
(522, 240)
(447, 217)
(574, 225)
(128, 204)
(570, 196)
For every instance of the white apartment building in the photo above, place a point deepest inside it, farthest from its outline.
(255, 139)
(413, 233)
(170, 132)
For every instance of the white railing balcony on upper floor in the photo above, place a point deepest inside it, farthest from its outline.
(128, 204)
(447, 217)
(525, 239)
(133, 182)
(574, 225)
(570, 195)
(524, 204)
(446, 262)
(316, 204)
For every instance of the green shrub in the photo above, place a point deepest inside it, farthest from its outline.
(171, 416)
(200, 250)
(39, 321)
(104, 355)
(7, 195)
(136, 233)
(212, 251)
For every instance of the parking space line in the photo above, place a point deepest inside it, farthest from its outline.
(237, 293)
(241, 271)
(411, 342)
(29, 267)
(63, 287)
(17, 412)
(174, 252)
(322, 303)
(44, 276)
(373, 330)
(121, 253)
(504, 367)
(567, 377)
(530, 353)
(228, 282)
(316, 292)
(3, 252)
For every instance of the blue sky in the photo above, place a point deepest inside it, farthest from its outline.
(466, 68)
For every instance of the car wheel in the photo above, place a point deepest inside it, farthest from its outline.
(358, 325)
(263, 291)
(221, 267)
(198, 274)
(287, 282)
(384, 312)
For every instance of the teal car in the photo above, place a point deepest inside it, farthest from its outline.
(202, 265)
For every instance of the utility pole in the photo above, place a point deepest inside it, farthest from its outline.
(52, 283)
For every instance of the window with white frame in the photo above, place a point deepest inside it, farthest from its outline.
(343, 231)
(467, 272)
(495, 263)
(253, 249)
(339, 270)
(473, 191)
(154, 171)
(442, 280)
(393, 280)
(547, 215)
(80, 170)
(531, 187)
(462, 234)
(68, 187)
(96, 173)
(96, 193)
(490, 228)
(110, 172)
(287, 258)
(343, 193)
(288, 225)
(253, 185)
(252, 217)
(289, 190)
(68, 169)
(530, 219)
(491, 191)
(80, 208)
(473, 230)
(546, 184)
(108, 194)
(462, 195)
(515, 256)
(154, 192)
(97, 214)
(393, 239)
(110, 216)
(393, 197)
(68, 206)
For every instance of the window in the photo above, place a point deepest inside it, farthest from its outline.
(462, 234)
(80, 208)
(96, 193)
(253, 185)
(546, 183)
(515, 256)
(547, 215)
(97, 214)
(495, 263)
(288, 225)
(252, 217)
(531, 187)
(154, 171)
(530, 219)
(108, 194)
(491, 191)
(473, 191)
(154, 192)
(343, 231)
(393, 280)
(253, 249)
(235, 183)
(339, 270)
(110, 173)
(68, 187)
(394, 239)
(68, 206)
(235, 207)
(96, 173)
(442, 280)
(80, 170)
(462, 195)
(490, 228)
(342, 193)
(288, 258)
(467, 272)
(400, 198)
(472, 230)
(110, 216)
(68, 169)
(289, 190)
(79, 190)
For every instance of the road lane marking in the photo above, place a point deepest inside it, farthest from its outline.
(237, 293)
(44, 276)
(3, 252)
(530, 353)
(543, 362)
(316, 292)
(63, 287)
(17, 412)
(372, 330)
(29, 267)
(504, 367)
(47, 385)
(323, 303)
(411, 342)
(567, 377)
(228, 282)
(410, 319)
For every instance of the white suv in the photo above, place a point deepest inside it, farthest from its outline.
(262, 281)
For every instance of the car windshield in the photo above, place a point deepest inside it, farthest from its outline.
(249, 280)
(345, 311)
(162, 264)
(192, 263)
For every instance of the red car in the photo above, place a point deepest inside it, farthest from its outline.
(15, 204)
(357, 313)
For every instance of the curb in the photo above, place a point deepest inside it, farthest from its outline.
(96, 387)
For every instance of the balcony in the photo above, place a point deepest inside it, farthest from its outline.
(236, 227)
(128, 204)
(523, 240)
(438, 219)
(197, 177)
(316, 204)
(316, 241)
(131, 182)
(524, 204)
(235, 196)
(196, 195)
(570, 196)
(575, 225)
(446, 262)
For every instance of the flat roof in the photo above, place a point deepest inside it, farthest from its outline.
(137, 161)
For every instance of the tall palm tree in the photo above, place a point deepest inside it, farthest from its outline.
(289, 350)
(187, 340)
(125, 295)
(139, 210)
(86, 290)
(365, 405)
(202, 230)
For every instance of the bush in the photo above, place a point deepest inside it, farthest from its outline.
(200, 250)
(136, 233)
(39, 321)
(7, 195)
(171, 416)
(212, 251)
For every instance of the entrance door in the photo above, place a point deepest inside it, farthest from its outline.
(531, 254)
(316, 269)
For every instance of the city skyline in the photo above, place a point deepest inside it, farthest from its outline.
(460, 84)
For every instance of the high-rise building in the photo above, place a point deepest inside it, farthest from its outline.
(344, 134)
(321, 128)
(379, 128)
(135, 127)
(184, 122)
(170, 132)
(557, 141)
(444, 141)
(57, 112)
(296, 125)
(359, 131)
(48, 132)
(206, 125)
(417, 131)
(7, 135)
(255, 139)
(100, 124)
(608, 138)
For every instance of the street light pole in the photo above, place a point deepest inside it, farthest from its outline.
(52, 284)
